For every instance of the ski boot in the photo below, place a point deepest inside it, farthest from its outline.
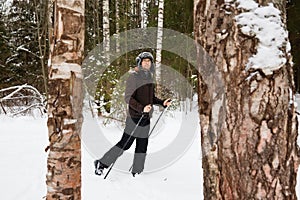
(99, 167)
(134, 174)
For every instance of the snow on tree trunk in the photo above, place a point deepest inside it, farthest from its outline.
(65, 100)
(106, 35)
(248, 141)
(160, 26)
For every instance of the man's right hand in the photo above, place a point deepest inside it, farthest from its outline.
(147, 108)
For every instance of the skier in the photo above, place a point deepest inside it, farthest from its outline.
(139, 95)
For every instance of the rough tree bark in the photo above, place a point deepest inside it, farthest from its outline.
(248, 137)
(65, 100)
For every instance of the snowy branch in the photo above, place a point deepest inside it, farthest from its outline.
(22, 99)
(22, 48)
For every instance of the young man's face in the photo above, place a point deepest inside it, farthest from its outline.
(146, 63)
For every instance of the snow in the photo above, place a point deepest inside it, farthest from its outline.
(265, 24)
(23, 139)
(23, 159)
(23, 166)
(6, 6)
(72, 5)
(246, 4)
(64, 70)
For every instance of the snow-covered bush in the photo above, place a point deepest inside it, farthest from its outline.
(22, 100)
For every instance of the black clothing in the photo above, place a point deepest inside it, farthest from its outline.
(139, 93)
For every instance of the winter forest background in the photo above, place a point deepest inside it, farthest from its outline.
(24, 41)
(24, 91)
(24, 45)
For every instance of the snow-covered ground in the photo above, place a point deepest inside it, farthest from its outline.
(23, 159)
(23, 167)
(23, 164)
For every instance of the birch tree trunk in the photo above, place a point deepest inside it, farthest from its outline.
(65, 100)
(133, 6)
(248, 138)
(117, 26)
(144, 15)
(160, 26)
(134, 12)
(106, 35)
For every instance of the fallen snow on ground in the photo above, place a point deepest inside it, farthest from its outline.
(23, 169)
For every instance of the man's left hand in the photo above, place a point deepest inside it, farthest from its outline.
(167, 102)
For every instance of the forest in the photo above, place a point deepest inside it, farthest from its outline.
(24, 49)
(243, 86)
(25, 41)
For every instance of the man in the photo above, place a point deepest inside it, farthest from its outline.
(139, 95)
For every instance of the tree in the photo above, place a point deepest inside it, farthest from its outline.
(65, 100)
(133, 11)
(117, 6)
(24, 43)
(93, 24)
(144, 15)
(160, 26)
(248, 127)
(5, 48)
(41, 11)
(106, 30)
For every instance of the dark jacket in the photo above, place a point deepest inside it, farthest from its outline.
(140, 91)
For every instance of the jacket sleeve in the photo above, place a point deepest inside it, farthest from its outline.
(156, 100)
(130, 92)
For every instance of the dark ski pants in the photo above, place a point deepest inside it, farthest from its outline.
(141, 138)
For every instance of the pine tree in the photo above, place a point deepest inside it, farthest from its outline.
(23, 63)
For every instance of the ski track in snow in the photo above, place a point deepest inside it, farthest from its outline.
(23, 169)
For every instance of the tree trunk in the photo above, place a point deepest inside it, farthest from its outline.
(117, 26)
(134, 12)
(160, 26)
(98, 23)
(106, 30)
(41, 17)
(249, 136)
(144, 15)
(65, 100)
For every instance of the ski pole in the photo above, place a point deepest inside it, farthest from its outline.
(158, 119)
(132, 132)
(153, 127)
